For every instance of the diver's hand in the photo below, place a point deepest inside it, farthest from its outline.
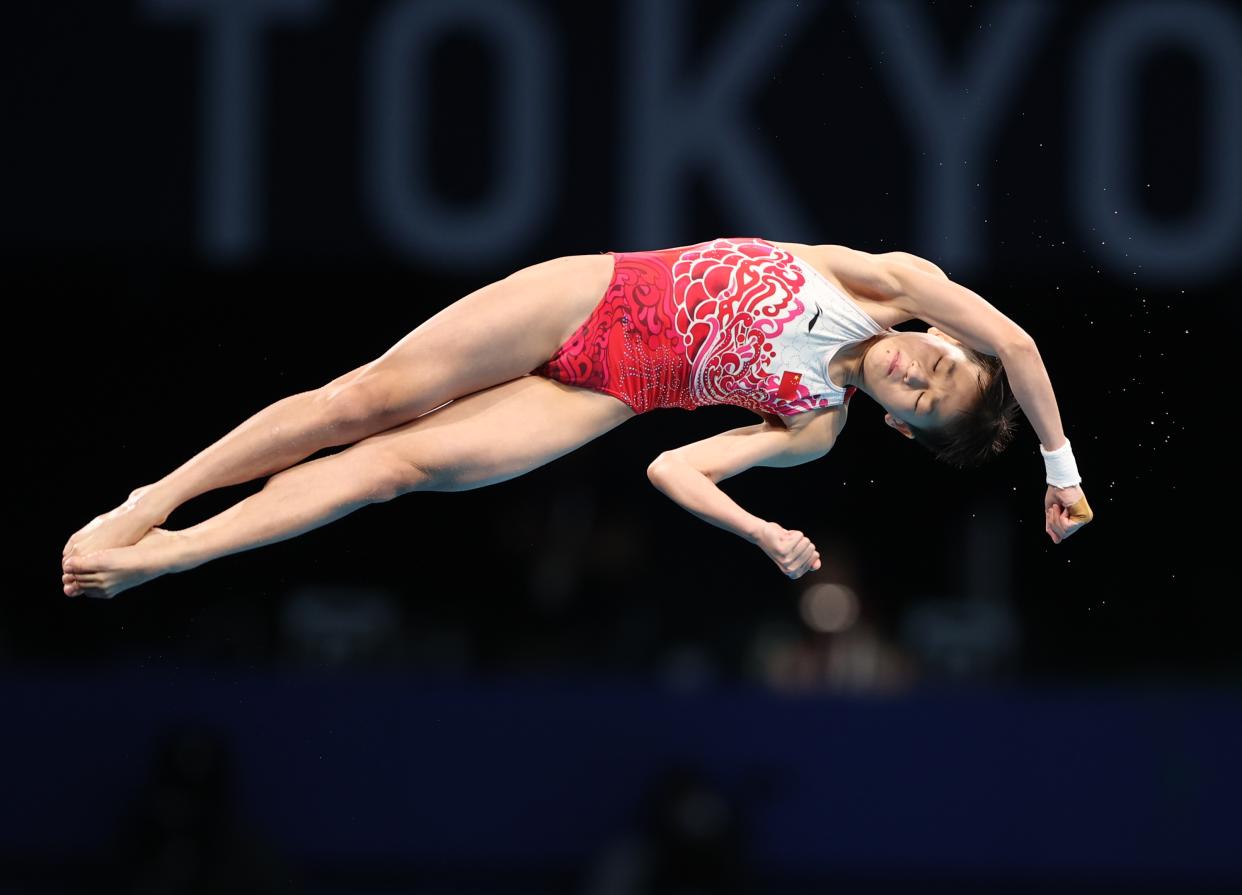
(792, 551)
(1065, 511)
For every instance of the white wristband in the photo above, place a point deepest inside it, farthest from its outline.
(1060, 466)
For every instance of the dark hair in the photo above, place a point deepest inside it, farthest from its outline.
(982, 431)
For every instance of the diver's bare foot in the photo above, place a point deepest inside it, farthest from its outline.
(106, 573)
(119, 528)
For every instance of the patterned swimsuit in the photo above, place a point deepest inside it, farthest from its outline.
(728, 321)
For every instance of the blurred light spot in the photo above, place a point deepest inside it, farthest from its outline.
(829, 607)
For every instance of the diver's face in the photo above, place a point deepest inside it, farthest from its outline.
(921, 379)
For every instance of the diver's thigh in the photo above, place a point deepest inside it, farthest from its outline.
(493, 335)
(498, 433)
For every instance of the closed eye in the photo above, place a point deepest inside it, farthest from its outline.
(920, 397)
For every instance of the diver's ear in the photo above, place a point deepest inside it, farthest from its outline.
(898, 425)
(934, 331)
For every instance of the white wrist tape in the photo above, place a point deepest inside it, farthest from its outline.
(1060, 466)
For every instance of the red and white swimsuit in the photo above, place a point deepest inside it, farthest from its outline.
(728, 321)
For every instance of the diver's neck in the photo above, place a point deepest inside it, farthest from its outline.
(847, 365)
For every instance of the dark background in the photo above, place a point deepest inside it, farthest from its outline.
(576, 599)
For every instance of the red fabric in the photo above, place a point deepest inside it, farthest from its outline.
(688, 327)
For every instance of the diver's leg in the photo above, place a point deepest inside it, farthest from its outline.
(484, 438)
(495, 334)
(275, 438)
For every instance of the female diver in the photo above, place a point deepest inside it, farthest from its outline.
(535, 365)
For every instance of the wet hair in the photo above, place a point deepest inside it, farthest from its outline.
(983, 430)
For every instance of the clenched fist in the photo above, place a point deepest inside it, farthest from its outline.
(791, 550)
(1065, 511)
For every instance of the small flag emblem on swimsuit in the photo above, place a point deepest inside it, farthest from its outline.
(789, 386)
